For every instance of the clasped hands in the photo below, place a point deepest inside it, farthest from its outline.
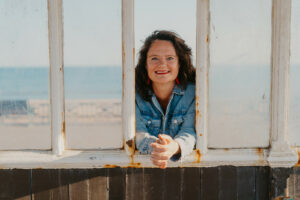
(163, 149)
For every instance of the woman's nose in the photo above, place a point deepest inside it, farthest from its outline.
(162, 62)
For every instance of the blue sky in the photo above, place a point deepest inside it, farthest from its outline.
(92, 30)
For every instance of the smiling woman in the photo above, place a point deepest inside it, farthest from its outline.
(165, 98)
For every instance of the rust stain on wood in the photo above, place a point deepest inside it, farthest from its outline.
(134, 165)
(200, 134)
(197, 100)
(133, 51)
(123, 147)
(63, 127)
(198, 114)
(259, 152)
(298, 164)
(131, 165)
(130, 143)
(207, 38)
(226, 149)
(111, 166)
(131, 146)
(198, 156)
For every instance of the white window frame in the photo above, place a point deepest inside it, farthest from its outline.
(279, 155)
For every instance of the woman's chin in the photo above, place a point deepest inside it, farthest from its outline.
(161, 82)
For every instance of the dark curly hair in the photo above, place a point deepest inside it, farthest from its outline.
(186, 72)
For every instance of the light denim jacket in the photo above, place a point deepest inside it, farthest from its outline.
(178, 121)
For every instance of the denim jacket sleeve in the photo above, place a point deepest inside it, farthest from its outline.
(143, 139)
(186, 137)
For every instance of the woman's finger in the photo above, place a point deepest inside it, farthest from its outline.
(158, 147)
(159, 156)
(159, 163)
(162, 139)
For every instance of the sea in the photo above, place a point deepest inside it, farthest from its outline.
(105, 82)
(24, 83)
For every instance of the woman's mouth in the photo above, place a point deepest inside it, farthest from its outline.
(162, 72)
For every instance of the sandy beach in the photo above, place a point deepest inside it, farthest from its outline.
(90, 124)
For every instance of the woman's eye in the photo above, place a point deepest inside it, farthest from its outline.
(170, 58)
(154, 58)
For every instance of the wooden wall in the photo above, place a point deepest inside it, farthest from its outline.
(224, 182)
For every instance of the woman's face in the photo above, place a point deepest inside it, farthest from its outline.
(162, 62)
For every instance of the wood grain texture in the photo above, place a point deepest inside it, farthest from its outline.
(210, 183)
(154, 183)
(79, 184)
(227, 182)
(135, 184)
(50, 184)
(117, 183)
(15, 184)
(262, 176)
(98, 184)
(246, 183)
(174, 183)
(223, 182)
(191, 183)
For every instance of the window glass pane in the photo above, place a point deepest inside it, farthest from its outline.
(93, 73)
(174, 15)
(239, 74)
(24, 75)
(294, 119)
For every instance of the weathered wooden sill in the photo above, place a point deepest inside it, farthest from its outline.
(119, 158)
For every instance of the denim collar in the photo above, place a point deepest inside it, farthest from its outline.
(178, 90)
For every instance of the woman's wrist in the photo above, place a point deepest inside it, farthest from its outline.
(177, 148)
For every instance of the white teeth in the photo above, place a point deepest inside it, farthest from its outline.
(161, 72)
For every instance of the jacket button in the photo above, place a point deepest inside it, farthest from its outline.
(175, 121)
(149, 122)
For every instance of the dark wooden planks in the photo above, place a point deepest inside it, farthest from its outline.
(174, 183)
(262, 176)
(98, 184)
(227, 182)
(71, 184)
(15, 184)
(154, 183)
(191, 183)
(49, 184)
(210, 183)
(223, 182)
(117, 183)
(246, 183)
(78, 184)
(88, 184)
(134, 184)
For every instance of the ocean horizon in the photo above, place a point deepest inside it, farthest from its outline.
(25, 83)
(105, 82)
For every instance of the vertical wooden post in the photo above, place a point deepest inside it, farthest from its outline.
(55, 29)
(128, 67)
(280, 154)
(202, 66)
